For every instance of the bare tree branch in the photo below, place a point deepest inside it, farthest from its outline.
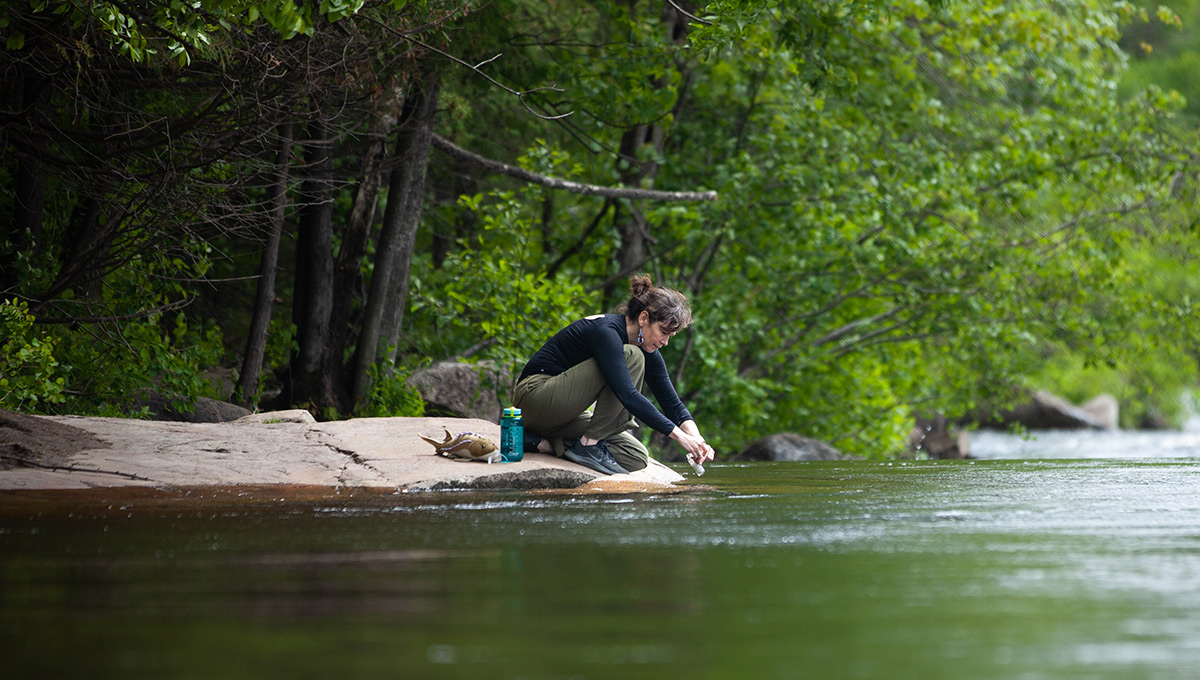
(689, 15)
(848, 328)
(141, 314)
(450, 149)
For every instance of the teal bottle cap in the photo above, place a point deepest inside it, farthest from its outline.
(512, 411)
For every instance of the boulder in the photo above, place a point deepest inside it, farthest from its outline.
(787, 446)
(206, 410)
(1046, 411)
(222, 381)
(213, 411)
(461, 390)
(1105, 410)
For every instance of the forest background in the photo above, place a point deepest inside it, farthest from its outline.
(879, 208)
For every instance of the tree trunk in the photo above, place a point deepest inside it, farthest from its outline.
(631, 226)
(454, 179)
(414, 202)
(393, 255)
(246, 391)
(348, 277)
(313, 302)
(86, 238)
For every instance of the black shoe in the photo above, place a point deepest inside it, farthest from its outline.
(611, 462)
(596, 457)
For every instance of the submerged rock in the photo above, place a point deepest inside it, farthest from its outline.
(547, 478)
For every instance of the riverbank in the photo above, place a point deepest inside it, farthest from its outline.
(284, 450)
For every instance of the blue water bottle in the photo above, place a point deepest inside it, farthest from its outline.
(512, 435)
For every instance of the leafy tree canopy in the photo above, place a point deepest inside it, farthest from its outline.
(921, 204)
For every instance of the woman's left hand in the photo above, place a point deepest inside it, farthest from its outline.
(688, 436)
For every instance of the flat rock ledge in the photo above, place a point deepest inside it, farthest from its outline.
(285, 449)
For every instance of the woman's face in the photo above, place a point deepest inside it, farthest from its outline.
(653, 336)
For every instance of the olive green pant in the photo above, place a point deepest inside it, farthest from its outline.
(555, 407)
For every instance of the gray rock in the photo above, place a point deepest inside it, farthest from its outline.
(461, 390)
(33, 441)
(787, 446)
(297, 415)
(1044, 411)
(222, 381)
(206, 410)
(1106, 410)
(213, 411)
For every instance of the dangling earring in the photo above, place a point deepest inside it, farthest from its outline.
(640, 335)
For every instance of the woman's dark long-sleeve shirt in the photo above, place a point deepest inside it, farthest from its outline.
(603, 338)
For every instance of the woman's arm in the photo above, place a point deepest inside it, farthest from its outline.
(609, 353)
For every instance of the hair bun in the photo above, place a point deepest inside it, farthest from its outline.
(639, 285)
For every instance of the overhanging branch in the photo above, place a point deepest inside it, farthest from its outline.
(450, 149)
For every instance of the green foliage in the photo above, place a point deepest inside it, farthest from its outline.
(1150, 370)
(168, 29)
(113, 372)
(484, 296)
(911, 241)
(917, 202)
(118, 358)
(30, 376)
(923, 205)
(1149, 394)
(391, 395)
(1164, 52)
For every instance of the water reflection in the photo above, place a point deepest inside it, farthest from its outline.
(974, 569)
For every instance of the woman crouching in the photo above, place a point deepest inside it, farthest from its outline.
(607, 360)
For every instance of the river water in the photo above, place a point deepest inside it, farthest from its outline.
(1051, 560)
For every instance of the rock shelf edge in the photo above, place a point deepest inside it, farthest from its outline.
(285, 449)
